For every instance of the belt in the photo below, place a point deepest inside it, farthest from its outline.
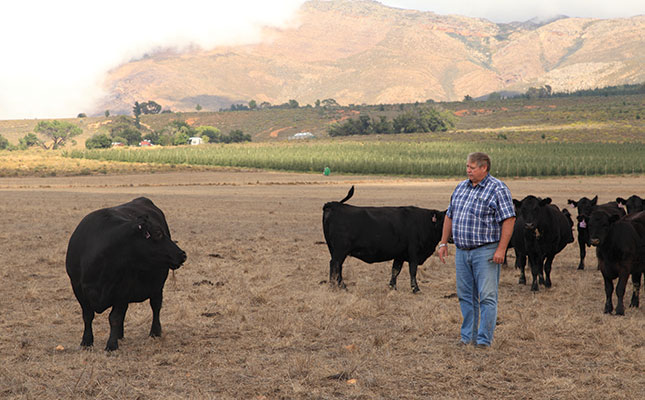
(476, 247)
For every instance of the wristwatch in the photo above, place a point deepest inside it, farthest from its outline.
(443, 245)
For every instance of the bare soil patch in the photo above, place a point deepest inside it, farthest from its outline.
(250, 316)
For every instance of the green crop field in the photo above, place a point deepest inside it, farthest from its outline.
(437, 159)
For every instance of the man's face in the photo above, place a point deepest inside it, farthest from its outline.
(475, 172)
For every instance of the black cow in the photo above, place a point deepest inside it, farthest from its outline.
(376, 234)
(117, 256)
(620, 248)
(517, 243)
(633, 204)
(585, 207)
(546, 232)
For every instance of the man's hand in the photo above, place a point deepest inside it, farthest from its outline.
(443, 252)
(499, 256)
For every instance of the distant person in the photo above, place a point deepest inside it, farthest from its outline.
(480, 219)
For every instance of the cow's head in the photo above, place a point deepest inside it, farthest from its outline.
(599, 224)
(153, 245)
(584, 206)
(633, 204)
(530, 209)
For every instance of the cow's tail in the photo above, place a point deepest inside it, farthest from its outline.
(349, 195)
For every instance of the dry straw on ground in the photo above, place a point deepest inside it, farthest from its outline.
(249, 316)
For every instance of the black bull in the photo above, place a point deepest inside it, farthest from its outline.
(377, 234)
(117, 256)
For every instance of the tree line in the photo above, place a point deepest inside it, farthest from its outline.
(418, 120)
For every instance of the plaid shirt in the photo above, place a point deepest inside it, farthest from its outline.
(477, 212)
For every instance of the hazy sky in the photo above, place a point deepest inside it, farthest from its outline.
(55, 54)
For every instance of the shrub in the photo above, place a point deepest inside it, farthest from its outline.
(100, 141)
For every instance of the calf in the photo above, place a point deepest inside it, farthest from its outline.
(585, 207)
(633, 204)
(546, 231)
(376, 234)
(620, 246)
(117, 256)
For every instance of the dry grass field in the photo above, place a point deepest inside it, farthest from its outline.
(250, 316)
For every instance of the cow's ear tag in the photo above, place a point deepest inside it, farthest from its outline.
(147, 233)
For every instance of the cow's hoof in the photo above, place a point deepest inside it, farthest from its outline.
(634, 302)
(392, 287)
(415, 290)
(620, 310)
(111, 346)
(534, 288)
(581, 267)
(541, 280)
(608, 309)
(522, 280)
(547, 283)
(87, 346)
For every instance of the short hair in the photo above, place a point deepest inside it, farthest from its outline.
(479, 158)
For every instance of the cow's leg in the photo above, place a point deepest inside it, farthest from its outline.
(547, 270)
(117, 315)
(636, 282)
(336, 271)
(88, 317)
(534, 262)
(396, 269)
(520, 262)
(583, 250)
(413, 276)
(121, 327)
(623, 276)
(541, 270)
(155, 304)
(609, 291)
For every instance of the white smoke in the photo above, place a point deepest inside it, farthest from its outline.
(55, 54)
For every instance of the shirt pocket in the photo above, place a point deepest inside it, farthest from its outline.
(484, 207)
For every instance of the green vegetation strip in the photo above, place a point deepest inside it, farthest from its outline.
(441, 159)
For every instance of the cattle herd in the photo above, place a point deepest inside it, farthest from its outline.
(122, 254)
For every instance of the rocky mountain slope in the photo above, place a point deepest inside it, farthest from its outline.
(363, 52)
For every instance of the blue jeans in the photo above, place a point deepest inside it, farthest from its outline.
(477, 284)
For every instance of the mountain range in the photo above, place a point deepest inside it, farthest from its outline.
(362, 52)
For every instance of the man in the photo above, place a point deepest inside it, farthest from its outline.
(480, 219)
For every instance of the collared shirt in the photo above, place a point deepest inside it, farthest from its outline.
(477, 212)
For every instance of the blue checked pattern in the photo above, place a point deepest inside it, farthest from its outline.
(477, 212)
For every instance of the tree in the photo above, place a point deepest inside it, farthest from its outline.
(198, 107)
(236, 136)
(58, 132)
(253, 104)
(213, 134)
(330, 103)
(81, 115)
(29, 140)
(100, 141)
(149, 107)
(4, 143)
(107, 113)
(293, 104)
(136, 110)
(317, 103)
(467, 97)
(125, 129)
